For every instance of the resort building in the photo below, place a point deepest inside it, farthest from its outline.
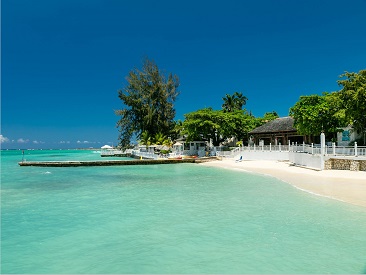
(190, 148)
(347, 135)
(278, 131)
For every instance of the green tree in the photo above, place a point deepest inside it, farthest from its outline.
(236, 124)
(201, 124)
(229, 103)
(234, 102)
(177, 130)
(159, 139)
(145, 139)
(353, 96)
(314, 114)
(268, 116)
(219, 125)
(240, 99)
(149, 103)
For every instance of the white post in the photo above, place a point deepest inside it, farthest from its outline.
(322, 150)
(289, 145)
(312, 148)
(303, 146)
(334, 151)
(322, 143)
(355, 149)
(279, 146)
(270, 147)
(254, 147)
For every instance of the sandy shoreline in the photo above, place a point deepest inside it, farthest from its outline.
(346, 186)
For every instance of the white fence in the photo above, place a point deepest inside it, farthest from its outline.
(114, 152)
(311, 156)
(307, 160)
(332, 150)
(269, 152)
(145, 155)
(266, 148)
(111, 153)
(313, 149)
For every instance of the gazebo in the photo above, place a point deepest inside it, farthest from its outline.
(279, 130)
(178, 148)
(106, 150)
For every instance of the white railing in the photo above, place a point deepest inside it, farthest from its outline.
(146, 155)
(226, 154)
(112, 152)
(313, 149)
(253, 148)
(267, 148)
(332, 150)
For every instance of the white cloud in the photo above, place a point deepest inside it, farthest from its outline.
(3, 139)
(38, 142)
(64, 142)
(21, 140)
(84, 142)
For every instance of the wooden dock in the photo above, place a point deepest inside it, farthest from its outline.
(113, 162)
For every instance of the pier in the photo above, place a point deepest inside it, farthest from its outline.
(113, 162)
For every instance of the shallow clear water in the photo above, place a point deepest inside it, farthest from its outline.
(180, 218)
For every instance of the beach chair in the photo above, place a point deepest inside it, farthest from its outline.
(240, 159)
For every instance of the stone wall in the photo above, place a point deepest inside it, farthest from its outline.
(328, 164)
(345, 164)
(363, 165)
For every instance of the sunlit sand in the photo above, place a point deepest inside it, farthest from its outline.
(346, 186)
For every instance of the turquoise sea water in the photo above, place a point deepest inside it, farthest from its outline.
(180, 218)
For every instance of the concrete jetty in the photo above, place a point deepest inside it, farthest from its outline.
(113, 162)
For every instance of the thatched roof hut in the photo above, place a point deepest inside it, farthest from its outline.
(281, 124)
(279, 130)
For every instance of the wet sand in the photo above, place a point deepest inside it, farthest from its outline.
(346, 186)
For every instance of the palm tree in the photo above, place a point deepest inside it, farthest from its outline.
(159, 139)
(145, 139)
(240, 100)
(168, 142)
(234, 102)
(229, 103)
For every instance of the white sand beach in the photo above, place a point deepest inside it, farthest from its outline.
(346, 186)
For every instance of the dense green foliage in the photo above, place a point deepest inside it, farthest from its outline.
(220, 125)
(314, 114)
(353, 96)
(330, 111)
(159, 139)
(217, 125)
(149, 103)
(266, 118)
(149, 111)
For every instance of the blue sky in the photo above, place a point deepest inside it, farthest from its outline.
(63, 61)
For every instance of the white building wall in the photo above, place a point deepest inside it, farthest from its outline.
(348, 135)
(307, 160)
(265, 155)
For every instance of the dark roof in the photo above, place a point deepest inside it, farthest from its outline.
(281, 124)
